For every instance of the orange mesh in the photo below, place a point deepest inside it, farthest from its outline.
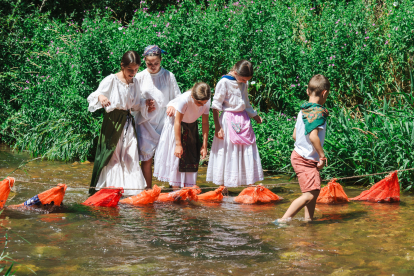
(145, 197)
(5, 187)
(387, 190)
(215, 195)
(105, 197)
(180, 195)
(52, 196)
(332, 193)
(256, 194)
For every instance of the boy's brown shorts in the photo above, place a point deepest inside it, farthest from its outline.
(307, 172)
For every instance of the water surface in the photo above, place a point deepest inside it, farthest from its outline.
(198, 238)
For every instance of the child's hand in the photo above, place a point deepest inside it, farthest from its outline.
(150, 104)
(203, 152)
(104, 101)
(322, 162)
(170, 111)
(178, 151)
(258, 119)
(219, 133)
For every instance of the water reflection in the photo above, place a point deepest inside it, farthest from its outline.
(200, 238)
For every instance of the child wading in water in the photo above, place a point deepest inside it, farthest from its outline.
(308, 156)
(158, 85)
(234, 159)
(178, 153)
(117, 161)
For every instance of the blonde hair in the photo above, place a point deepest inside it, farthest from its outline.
(201, 91)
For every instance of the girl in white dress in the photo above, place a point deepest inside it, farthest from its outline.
(178, 153)
(117, 161)
(234, 159)
(159, 86)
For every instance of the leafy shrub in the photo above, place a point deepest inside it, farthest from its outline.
(48, 68)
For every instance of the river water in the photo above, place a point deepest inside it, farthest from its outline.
(198, 238)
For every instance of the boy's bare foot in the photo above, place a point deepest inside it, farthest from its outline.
(282, 221)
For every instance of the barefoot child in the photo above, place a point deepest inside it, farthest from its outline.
(117, 161)
(234, 159)
(308, 156)
(178, 152)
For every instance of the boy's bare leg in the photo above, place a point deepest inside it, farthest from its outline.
(299, 203)
(146, 167)
(310, 207)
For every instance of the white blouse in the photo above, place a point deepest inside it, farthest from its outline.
(121, 95)
(161, 87)
(185, 105)
(230, 95)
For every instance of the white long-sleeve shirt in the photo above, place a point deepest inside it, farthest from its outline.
(161, 87)
(121, 96)
(230, 95)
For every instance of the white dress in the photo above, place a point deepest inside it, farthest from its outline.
(162, 88)
(229, 164)
(123, 169)
(166, 164)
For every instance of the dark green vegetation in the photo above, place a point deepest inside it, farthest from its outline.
(49, 66)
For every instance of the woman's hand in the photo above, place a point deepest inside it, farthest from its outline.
(258, 119)
(150, 104)
(170, 111)
(219, 133)
(104, 101)
(203, 152)
(178, 151)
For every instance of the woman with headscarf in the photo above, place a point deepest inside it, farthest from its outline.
(160, 87)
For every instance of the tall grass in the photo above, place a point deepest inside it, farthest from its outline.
(48, 67)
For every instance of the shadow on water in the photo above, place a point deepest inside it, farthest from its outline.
(184, 233)
(199, 238)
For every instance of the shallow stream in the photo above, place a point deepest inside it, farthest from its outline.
(198, 238)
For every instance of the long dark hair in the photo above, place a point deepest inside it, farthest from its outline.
(130, 57)
(244, 68)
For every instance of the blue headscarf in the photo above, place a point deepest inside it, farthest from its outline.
(153, 49)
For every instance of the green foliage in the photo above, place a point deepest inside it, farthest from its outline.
(49, 67)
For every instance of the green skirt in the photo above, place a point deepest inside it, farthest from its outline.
(111, 131)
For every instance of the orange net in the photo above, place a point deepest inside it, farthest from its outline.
(215, 195)
(332, 193)
(256, 194)
(180, 195)
(5, 187)
(105, 197)
(145, 197)
(387, 190)
(52, 196)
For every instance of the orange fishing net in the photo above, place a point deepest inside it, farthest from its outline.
(256, 194)
(332, 193)
(52, 196)
(387, 190)
(105, 197)
(145, 197)
(180, 195)
(5, 187)
(215, 195)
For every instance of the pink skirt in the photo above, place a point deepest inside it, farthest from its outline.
(240, 129)
(307, 172)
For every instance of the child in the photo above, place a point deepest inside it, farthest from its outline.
(178, 153)
(308, 156)
(234, 158)
(159, 86)
(117, 160)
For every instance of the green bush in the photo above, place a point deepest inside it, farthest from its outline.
(49, 66)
